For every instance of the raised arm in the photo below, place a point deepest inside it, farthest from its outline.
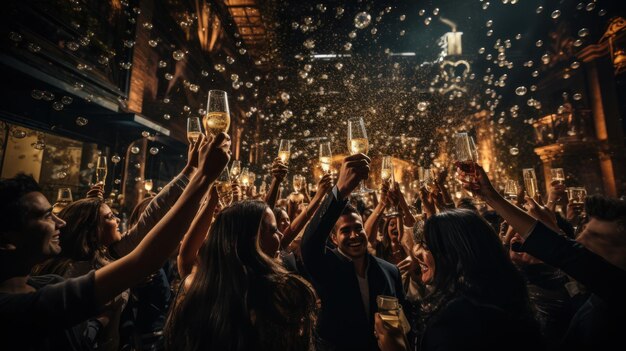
(195, 235)
(371, 224)
(407, 216)
(163, 238)
(158, 206)
(354, 169)
(279, 172)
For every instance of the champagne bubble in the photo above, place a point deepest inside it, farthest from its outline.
(178, 55)
(148, 25)
(116, 158)
(153, 43)
(81, 121)
(66, 100)
(427, 20)
(73, 46)
(134, 150)
(169, 76)
(167, 117)
(57, 105)
(489, 23)
(555, 14)
(234, 77)
(362, 20)
(32, 47)
(602, 12)
(154, 150)
(575, 65)
(577, 96)
(242, 51)
(219, 67)
(162, 64)
(129, 43)
(521, 91)
(402, 17)
(514, 151)
(36, 94)
(309, 44)
(590, 6)
(422, 106)
(347, 46)
(339, 65)
(545, 58)
(145, 134)
(230, 60)
(539, 43)
(16, 37)
(583, 32)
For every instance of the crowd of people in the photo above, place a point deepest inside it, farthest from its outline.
(273, 272)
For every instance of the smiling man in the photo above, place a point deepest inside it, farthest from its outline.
(348, 279)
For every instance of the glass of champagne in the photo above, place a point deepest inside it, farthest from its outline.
(194, 129)
(387, 175)
(148, 184)
(530, 182)
(558, 175)
(466, 153)
(101, 169)
(235, 169)
(511, 190)
(325, 156)
(224, 188)
(217, 119)
(284, 150)
(389, 310)
(64, 198)
(245, 180)
(576, 195)
(358, 144)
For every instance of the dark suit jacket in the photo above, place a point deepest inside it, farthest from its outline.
(343, 323)
(601, 321)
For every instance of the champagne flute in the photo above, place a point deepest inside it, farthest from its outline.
(235, 169)
(101, 169)
(224, 188)
(558, 175)
(217, 119)
(245, 181)
(358, 144)
(387, 175)
(577, 195)
(325, 156)
(530, 182)
(298, 181)
(284, 150)
(466, 153)
(511, 190)
(194, 128)
(148, 184)
(64, 198)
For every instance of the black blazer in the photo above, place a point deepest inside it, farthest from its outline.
(343, 323)
(601, 321)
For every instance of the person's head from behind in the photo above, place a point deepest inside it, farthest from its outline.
(468, 204)
(231, 261)
(28, 228)
(91, 228)
(460, 253)
(605, 231)
(349, 235)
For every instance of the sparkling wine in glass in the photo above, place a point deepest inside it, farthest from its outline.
(148, 184)
(511, 190)
(101, 169)
(245, 177)
(530, 182)
(235, 169)
(358, 144)
(466, 153)
(284, 150)
(64, 198)
(325, 156)
(298, 182)
(387, 176)
(558, 175)
(217, 119)
(224, 188)
(194, 129)
(576, 195)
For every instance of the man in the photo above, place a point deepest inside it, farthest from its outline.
(32, 315)
(348, 279)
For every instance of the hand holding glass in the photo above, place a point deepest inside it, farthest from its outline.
(217, 119)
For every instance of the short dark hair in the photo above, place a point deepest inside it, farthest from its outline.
(468, 204)
(11, 192)
(605, 208)
(348, 210)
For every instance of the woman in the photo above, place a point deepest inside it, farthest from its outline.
(240, 298)
(476, 294)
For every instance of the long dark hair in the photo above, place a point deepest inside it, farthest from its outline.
(470, 261)
(79, 239)
(240, 299)
(384, 249)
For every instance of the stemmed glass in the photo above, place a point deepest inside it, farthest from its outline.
(148, 185)
(224, 188)
(387, 175)
(358, 144)
(576, 195)
(558, 175)
(325, 156)
(511, 190)
(194, 129)
(298, 181)
(284, 150)
(217, 119)
(235, 169)
(101, 169)
(466, 153)
(530, 182)
(64, 198)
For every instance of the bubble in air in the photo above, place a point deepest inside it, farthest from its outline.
(178, 55)
(154, 150)
(81, 121)
(521, 91)
(514, 151)
(362, 20)
(555, 14)
(134, 150)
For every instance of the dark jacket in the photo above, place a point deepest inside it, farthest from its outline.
(601, 321)
(343, 323)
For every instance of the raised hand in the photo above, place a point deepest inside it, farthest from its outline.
(354, 169)
(96, 191)
(541, 213)
(279, 169)
(324, 184)
(428, 204)
(478, 183)
(214, 155)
